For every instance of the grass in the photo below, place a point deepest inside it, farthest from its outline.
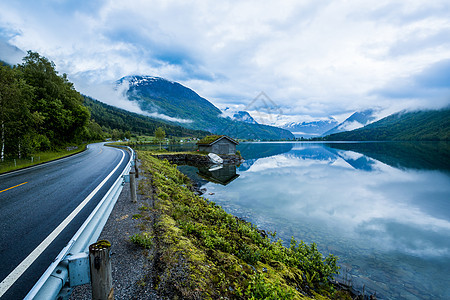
(37, 158)
(223, 256)
(209, 139)
(143, 239)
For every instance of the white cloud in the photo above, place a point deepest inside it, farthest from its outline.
(313, 58)
(115, 95)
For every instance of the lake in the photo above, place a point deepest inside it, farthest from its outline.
(382, 208)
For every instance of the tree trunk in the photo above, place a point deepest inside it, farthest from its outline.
(2, 155)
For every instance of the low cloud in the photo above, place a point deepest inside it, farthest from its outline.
(10, 54)
(313, 58)
(115, 95)
(429, 88)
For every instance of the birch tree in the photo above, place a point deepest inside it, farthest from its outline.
(15, 123)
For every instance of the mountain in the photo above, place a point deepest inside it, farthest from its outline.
(431, 125)
(245, 117)
(158, 95)
(182, 106)
(310, 129)
(403, 155)
(356, 120)
(238, 115)
(112, 117)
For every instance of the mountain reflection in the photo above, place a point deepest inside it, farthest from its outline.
(361, 156)
(405, 155)
(381, 207)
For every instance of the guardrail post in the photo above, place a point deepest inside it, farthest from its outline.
(101, 275)
(136, 170)
(133, 187)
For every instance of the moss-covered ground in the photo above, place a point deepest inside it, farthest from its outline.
(206, 253)
(209, 139)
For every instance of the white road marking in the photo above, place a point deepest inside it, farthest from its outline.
(26, 263)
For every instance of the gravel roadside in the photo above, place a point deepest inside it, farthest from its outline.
(131, 265)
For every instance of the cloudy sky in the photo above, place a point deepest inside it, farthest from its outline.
(312, 58)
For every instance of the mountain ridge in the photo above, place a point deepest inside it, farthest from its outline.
(158, 95)
(310, 129)
(357, 120)
(423, 125)
(112, 117)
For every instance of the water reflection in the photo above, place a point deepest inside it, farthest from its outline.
(388, 218)
(219, 174)
(405, 155)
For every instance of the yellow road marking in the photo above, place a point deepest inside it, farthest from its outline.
(13, 187)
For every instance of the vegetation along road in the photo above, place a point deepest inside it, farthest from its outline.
(35, 201)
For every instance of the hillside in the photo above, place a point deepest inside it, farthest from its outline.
(186, 108)
(356, 120)
(115, 118)
(403, 126)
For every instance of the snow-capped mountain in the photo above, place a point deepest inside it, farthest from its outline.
(239, 115)
(310, 129)
(355, 121)
(245, 117)
(171, 101)
(135, 80)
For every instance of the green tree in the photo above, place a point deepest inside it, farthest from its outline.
(160, 134)
(15, 118)
(116, 134)
(59, 105)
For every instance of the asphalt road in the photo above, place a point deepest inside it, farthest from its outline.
(33, 202)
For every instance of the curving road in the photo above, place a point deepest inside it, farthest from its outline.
(34, 201)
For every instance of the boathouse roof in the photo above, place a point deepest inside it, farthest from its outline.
(212, 139)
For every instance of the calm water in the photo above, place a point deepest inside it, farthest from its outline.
(383, 208)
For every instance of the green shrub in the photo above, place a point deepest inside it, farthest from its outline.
(259, 288)
(143, 239)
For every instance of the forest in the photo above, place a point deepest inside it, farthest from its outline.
(121, 123)
(40, 110)
(430, 125)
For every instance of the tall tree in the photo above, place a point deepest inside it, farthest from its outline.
(160, 134)
(15, 118)
(59, 105)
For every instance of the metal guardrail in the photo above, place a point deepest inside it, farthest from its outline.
(71, 267)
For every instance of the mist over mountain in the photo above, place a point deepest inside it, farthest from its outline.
(111, 117)
(356, 120)
(171, 101)
(310, 129)
(239, 115)
(429, 125)
(10, 54)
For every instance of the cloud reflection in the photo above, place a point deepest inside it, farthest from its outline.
(389, 224)
(328, 190)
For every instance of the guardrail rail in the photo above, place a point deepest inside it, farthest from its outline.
(71, 267)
